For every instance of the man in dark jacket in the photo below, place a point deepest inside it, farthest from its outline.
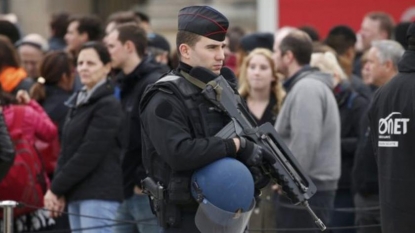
(127, 45)
(382, 66)
(392, 120)
(352, 107)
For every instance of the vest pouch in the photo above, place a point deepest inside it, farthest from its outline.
(211, 118)
(178, 190)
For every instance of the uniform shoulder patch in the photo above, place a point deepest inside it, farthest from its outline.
(164, 109)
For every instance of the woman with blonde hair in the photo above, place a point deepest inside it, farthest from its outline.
(260, 86)
(263, 92)
(352, 106)
(327, 62)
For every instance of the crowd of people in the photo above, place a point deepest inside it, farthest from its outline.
(115, 103)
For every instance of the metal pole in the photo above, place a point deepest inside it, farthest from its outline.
(267, 15)
(4, 6)
(8, 207)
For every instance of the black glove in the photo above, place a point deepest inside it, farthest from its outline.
(249, 153)
(267, 156)
(260, 179)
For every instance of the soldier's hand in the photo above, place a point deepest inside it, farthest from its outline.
(249, 153)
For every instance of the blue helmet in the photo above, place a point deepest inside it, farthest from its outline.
(225, 192)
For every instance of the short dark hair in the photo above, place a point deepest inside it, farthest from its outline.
(143, 17)
(8, 55)
(234, 35)
(9, 30)
(121, 17)
(300, 44)
(311, 31)
(386, 21)
(100, 48)
(89, 24)
(184, 37)
(59, 23)
(341, 38)
(135, 34)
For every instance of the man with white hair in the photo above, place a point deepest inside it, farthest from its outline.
(382, 66)
(31, 50)
(392, 120)
(382, 61)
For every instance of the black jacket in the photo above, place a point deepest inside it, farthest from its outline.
(268, 115)
(54, 105)
(392, 120)
(132, 87)
(89, 163)
(6, 149)
(360, 87)
(365, 170)
(352, 107)
(169, 138)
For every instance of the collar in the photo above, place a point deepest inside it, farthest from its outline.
(290, 81)
(184, 67)
(406, 64)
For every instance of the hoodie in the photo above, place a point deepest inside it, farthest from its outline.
(309, 124)
(12, 79)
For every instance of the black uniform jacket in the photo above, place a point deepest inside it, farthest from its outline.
(392, 122)
(168, 132)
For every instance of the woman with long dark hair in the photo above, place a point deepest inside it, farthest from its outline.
(55, 85)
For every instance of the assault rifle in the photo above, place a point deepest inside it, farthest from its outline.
(286, 171)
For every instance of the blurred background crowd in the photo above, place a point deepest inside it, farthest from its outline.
(358, 43)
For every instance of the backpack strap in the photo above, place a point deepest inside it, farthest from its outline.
(17, 124)
(18, 117)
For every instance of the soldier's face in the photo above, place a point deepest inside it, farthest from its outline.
(207, 53)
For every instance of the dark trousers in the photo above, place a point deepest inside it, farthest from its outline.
(290, 216)
(187, 225)
(367, 217)
(345, 217)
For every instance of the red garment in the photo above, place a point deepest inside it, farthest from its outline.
(36, 125)
(230, 62)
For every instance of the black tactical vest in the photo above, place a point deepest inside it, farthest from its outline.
(205, 120)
